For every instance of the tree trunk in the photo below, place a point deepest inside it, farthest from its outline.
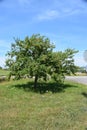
(35, 81)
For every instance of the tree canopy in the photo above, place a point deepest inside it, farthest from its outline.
(34, 56)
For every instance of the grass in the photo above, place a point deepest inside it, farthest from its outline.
(23, 109)
(4, 72)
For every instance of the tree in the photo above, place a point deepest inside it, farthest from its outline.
(63, 64)
(34, 57)
(0, 67)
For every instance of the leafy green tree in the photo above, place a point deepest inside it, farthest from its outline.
(62, 63)
(30, 56)
(34, 57)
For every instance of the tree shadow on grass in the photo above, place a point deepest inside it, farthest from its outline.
(84, 94)
(44, 87)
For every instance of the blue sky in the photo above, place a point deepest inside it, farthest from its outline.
(64, 22)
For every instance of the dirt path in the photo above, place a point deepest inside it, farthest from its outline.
(79, 79)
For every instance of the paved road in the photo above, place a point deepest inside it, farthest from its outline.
(79, 79)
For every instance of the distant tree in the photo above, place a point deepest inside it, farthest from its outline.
(0, 67)
(81, 69)
(34, 57)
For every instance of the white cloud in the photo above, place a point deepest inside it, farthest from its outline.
(69, 11)
(47, 15)
(79, 59)
(62, 8)
(4, 43)
(2, 61)
(80, 62)
(4, 47)
(53, 14)
(24, 2)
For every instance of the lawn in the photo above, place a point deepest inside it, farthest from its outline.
(23, 109)
(4, 72)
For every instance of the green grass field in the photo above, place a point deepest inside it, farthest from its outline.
(23, 109)
(4, 72)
